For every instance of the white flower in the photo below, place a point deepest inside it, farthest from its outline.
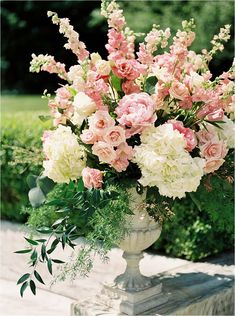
(103, 67)
(84, 106)
(65, 157)
(164, 162)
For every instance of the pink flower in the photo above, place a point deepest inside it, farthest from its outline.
(206, 135)
(46, 135)
(104, 151)
(114, 136)
(178, 90)
(120, 164)
(124, 151)
(213, 164)
(189, 135)
(212, 149)
(128, 68)
(92, 178)
(186, 103)
(130, 87)
(88, 136)
(62, 97)
(217, 115)
(100, 121)
(136, 110)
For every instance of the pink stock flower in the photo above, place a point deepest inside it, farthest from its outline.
(92, 178)
(104, 151)
(217, 115)
(213, 164)
(115, 135)
(178, 90)
(129, 87)
(136, 110)
(189, 135)
(62, 97)
(213, 149)
(128, 68)
(186, 103)
(100, 121)
(89, 137)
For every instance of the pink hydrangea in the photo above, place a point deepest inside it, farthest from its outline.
(189, 135)
(136, 111)
(92, 178)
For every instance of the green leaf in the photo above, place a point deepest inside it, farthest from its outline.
(38, 277)
(116, 83)
(36, 197)
(53, 246)
(31, 181)
(45, 184)
(80, 185)
(44, 118)
(150, 84)
(23, 251)
(58, 222)
(23, 278)
(34, 255)
(23, 288)
(57, 261)
(44, 230)
(49, 266)
(41, 240)
(32, 287)
(31, 241)
(43, 251)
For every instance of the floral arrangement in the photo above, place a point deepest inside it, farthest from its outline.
(140, 118)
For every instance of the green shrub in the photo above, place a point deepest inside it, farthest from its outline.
(21, 135)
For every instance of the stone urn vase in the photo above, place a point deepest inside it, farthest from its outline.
(137, 293)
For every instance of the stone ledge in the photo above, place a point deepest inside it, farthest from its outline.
(191, 289)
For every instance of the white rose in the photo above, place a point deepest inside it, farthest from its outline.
(95, 57)
(84, 106)
(103, 67)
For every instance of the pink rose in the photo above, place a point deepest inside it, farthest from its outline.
(213, 164)
(89, 137)
(124, 151)
(130, 87)
(214, 150)
(120, 164)
(189, 135)
(104, 151)
(100, 121)
(206, 135)
(114, 136)
(178, 90)
(128, 68)
(92, 178)
(136, 110)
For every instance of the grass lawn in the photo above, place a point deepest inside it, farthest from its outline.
(12, 104)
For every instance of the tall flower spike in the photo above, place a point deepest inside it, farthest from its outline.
(76, 46)
(114, 14)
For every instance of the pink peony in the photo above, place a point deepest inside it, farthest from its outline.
(89, 137)
(212, 149)
(189, 135)
(114, 136)
(92, 178)
(100, 121)
(128, 68)
(213, 164)
(104, 151)
(178, 90)
(136, 110)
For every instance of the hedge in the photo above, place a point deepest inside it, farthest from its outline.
(198, 229)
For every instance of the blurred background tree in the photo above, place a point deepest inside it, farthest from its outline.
(26, 30)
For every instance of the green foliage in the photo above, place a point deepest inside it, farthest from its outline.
(21, 134)
(195, 233)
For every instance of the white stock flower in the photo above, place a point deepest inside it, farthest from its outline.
(164, 163)
(65, 157)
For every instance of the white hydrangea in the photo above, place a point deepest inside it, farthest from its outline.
(164, 163)
(65, 157)
(227, 132)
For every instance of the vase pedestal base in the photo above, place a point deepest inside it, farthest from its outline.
(114, 301)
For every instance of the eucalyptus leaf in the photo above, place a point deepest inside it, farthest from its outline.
(31, 241)
(49, 266)
(32, 287)
(36, 197)
(150, 84)
(38, 277)
(23, 251)
(23, 278)
(31, 181)
(23, 288)
(45, 184)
